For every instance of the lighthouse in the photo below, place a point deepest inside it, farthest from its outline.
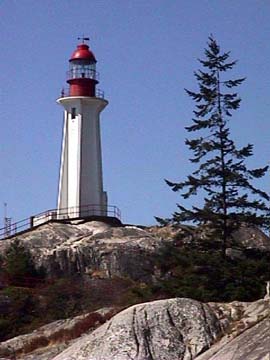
(80, 191)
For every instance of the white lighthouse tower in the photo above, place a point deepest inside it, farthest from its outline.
(80, 190)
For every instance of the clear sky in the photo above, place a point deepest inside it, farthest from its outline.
(147, 52)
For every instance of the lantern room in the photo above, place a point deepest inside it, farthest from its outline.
(82, 76)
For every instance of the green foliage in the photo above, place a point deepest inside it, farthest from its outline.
(5, 327)
(221, 175)
(28, 308)
(63, 298)
(208, 276)
(19, 267)
(71, 295)
(199, 272)
(20, 312)
(137, 293)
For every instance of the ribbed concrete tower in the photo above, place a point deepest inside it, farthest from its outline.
(80, 181)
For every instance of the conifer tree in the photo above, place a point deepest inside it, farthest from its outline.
(18, 264)
(221, 174)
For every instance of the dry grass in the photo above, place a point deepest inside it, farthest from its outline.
(89, 322)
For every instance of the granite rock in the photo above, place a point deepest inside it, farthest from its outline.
(161, 330)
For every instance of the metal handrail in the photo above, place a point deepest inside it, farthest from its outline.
(71, 213)
(99, 93)
(65, 92)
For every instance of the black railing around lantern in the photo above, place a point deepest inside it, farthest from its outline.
(65, 92)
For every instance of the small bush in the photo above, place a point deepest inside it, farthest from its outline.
(89, 322)
(35, 343)
(21, 311)
(62, 298)
(18, 266)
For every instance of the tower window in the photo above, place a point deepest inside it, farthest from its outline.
(73, 113)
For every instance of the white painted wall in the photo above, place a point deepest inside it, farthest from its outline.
(80, 181)
(73, 160)
(62, 196)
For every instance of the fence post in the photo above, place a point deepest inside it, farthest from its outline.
(32, 221)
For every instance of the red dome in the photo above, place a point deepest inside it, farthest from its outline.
(83, 52)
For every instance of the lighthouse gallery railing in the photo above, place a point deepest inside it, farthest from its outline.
(65, 92)
(72, 213)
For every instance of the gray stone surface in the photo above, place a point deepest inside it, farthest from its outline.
(90, 247)
(253, 344)
(248, 335)
(19, 343)
(252, 238)
(173, 329)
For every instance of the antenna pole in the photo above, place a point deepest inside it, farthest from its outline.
(7, 222)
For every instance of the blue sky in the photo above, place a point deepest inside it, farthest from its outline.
(147, 52)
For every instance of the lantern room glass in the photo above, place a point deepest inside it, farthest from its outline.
(82, 69)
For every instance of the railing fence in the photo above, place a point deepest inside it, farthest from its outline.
(71, 213)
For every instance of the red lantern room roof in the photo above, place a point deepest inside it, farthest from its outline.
(83, 53)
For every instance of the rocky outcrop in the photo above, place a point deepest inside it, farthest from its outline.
(173, 329)
(248, 335)
(53, 337)
(251, 238)
(123, 251)
(91, 247)
(180, 329)
(253, 344)
(164, 329)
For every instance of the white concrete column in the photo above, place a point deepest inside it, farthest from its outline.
(81, 181)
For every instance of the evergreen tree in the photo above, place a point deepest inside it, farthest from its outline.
(230, 199)
(18, 264)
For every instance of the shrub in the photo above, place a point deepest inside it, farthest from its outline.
(33, 344)
(21, 312)
(63, 298)
(90, 321)
(207, 276)
(19, 267)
